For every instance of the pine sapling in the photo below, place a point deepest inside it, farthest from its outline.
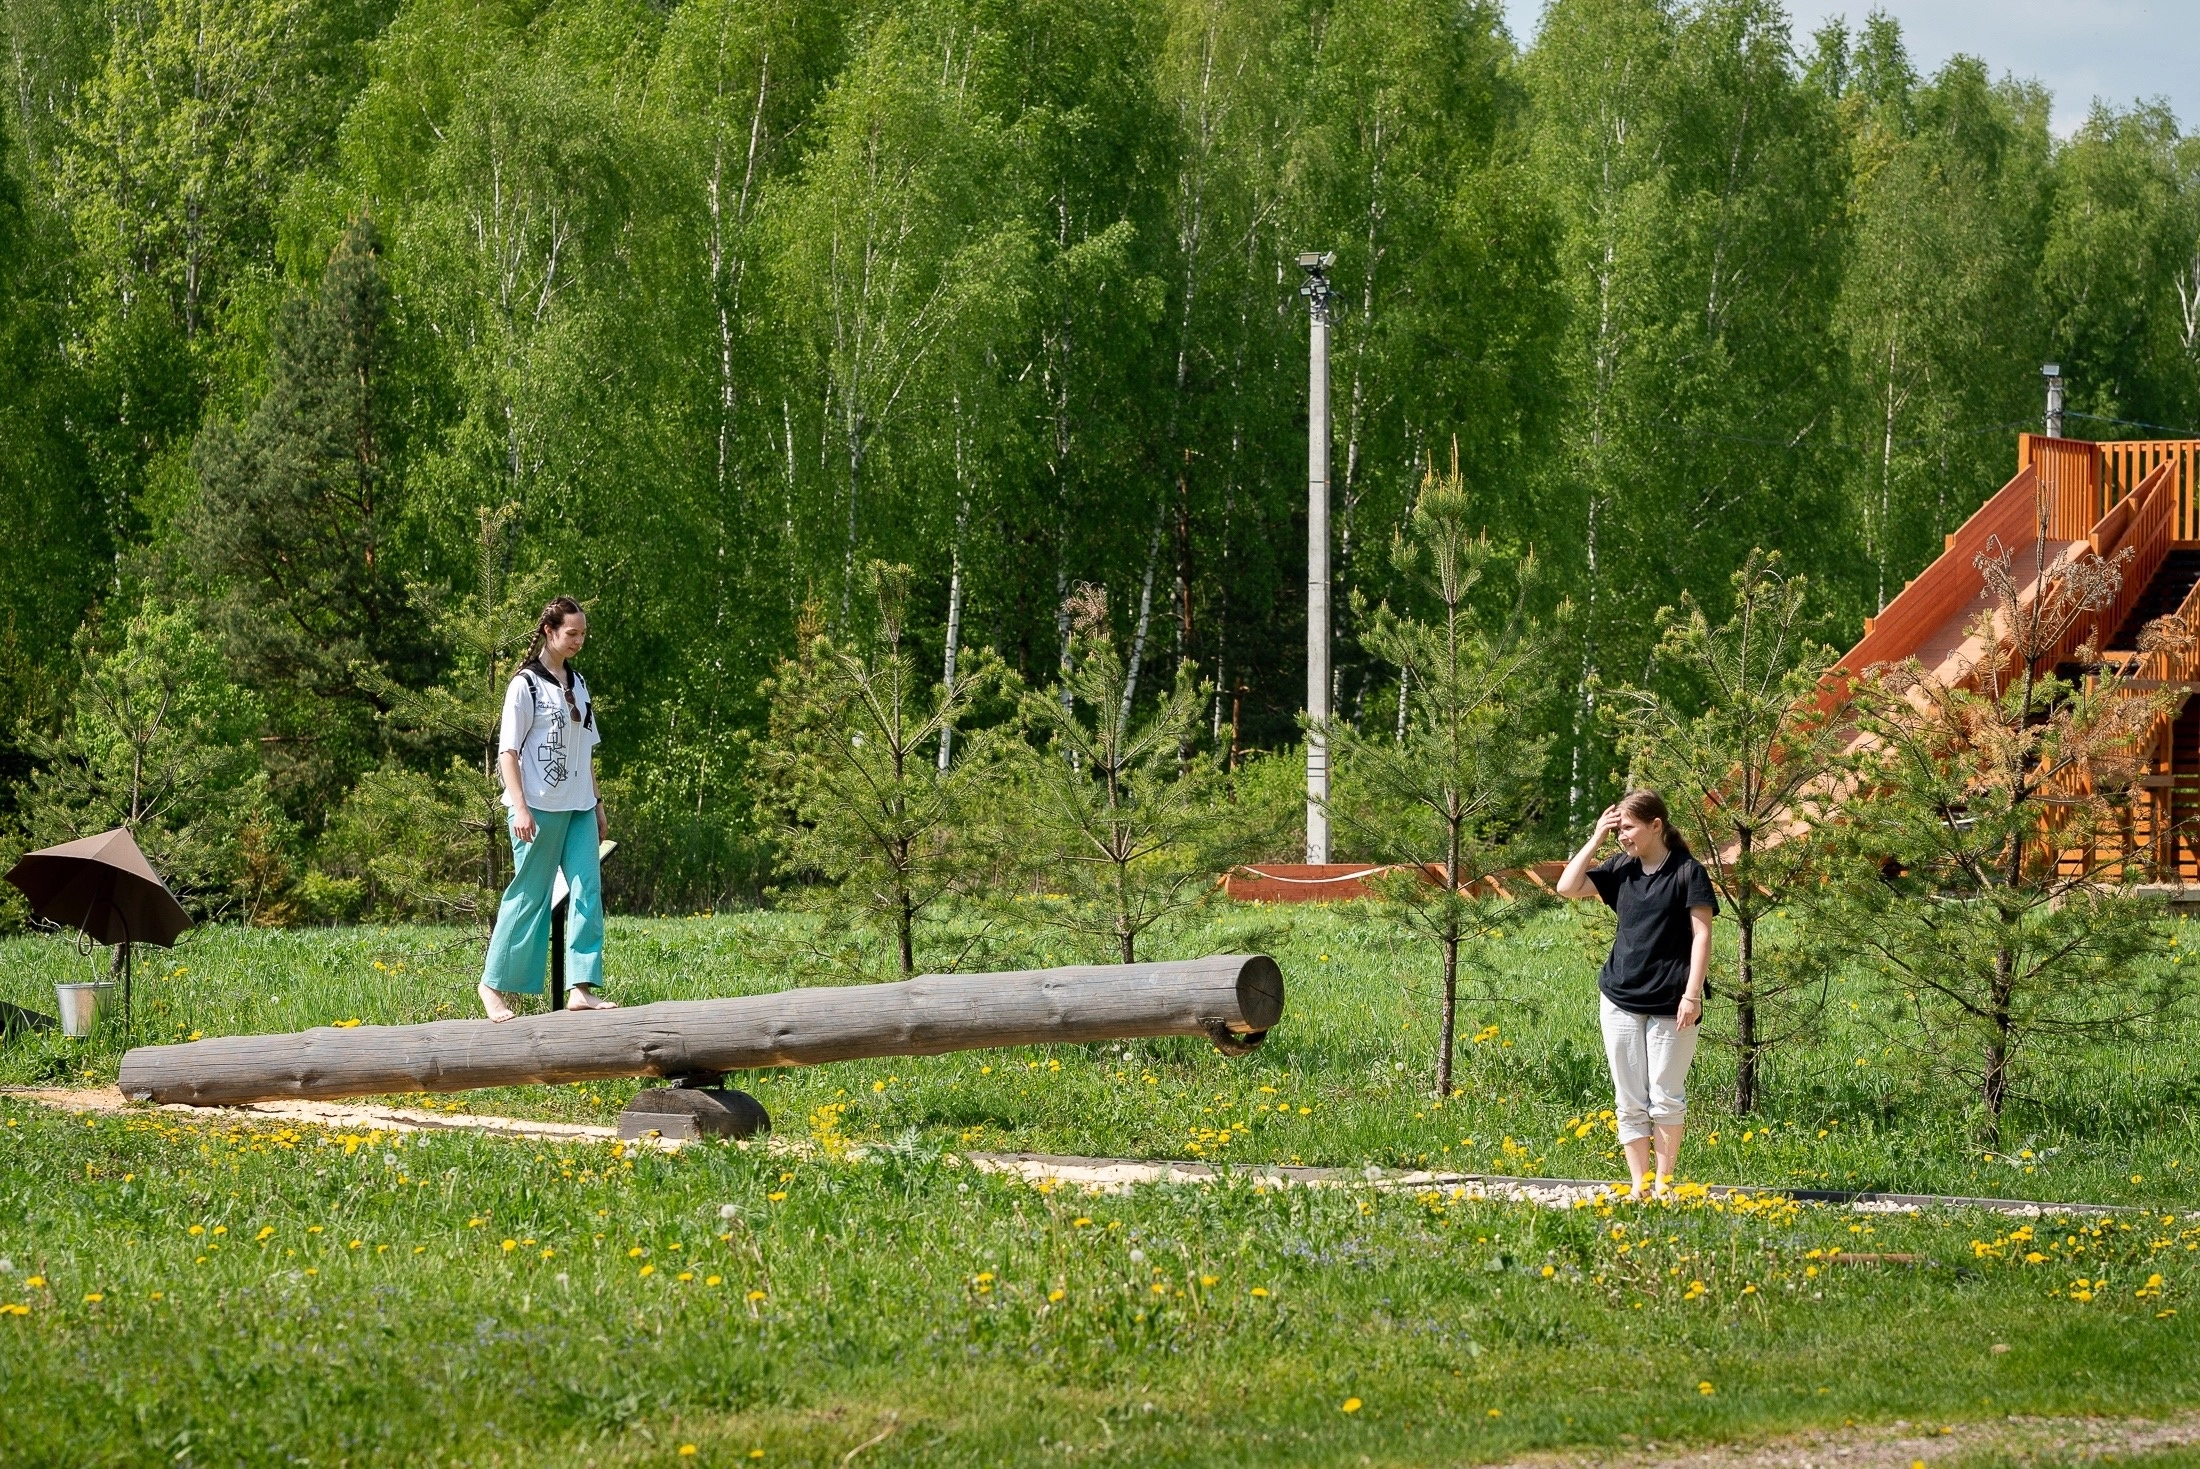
(1121, 813)
(853, 747)
(1745, 765)
(1448, 802)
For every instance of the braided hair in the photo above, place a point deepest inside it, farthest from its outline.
(554, 613)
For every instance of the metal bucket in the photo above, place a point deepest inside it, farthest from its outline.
(81, 1005)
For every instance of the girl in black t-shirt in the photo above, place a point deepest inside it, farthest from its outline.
(1652, 984)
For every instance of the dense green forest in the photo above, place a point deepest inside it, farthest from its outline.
(339, 333)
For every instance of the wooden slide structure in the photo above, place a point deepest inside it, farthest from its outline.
(1230, 999)
(2094, 497)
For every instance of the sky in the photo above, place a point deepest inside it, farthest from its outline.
(2118, 50)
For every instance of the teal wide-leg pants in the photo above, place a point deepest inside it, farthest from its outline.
(519, 950)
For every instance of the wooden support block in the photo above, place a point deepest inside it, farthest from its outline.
(684, 1114)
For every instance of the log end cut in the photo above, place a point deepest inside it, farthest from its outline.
(1259, 993)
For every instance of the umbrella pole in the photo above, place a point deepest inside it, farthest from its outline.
(129, 973)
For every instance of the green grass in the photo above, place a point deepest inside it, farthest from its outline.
(901, 1290)
(1858, 1109)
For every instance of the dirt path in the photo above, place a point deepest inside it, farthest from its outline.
(1901, 1445)
(1091, 1175)
(104, 1099)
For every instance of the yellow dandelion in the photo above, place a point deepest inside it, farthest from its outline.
(1350, 1405)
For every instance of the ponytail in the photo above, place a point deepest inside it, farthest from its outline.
(1645, 805)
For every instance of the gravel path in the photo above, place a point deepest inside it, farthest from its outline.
(1113, 1175)
(1094, 1175)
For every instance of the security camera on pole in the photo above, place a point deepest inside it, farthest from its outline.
(1316, 264)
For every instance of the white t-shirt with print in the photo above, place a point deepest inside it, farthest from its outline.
(554, 748)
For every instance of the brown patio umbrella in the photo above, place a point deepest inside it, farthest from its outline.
(104, 887)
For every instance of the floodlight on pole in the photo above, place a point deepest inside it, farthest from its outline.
(1316, 264)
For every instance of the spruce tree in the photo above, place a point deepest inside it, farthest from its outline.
(293, 529)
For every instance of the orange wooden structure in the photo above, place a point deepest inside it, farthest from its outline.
(2071, 496)
(1338, 882)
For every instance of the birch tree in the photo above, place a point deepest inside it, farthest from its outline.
(888, 248)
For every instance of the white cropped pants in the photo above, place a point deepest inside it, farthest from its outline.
(1650, 1058)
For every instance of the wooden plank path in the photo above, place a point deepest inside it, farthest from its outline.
(2015, 1438)
(1092, 1175)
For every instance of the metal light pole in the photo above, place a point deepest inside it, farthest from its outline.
(2053, 373)
(1316, 291)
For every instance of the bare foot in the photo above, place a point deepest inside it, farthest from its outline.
(580, 998)
(492, 1001)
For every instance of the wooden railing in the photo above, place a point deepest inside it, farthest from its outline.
(2127, 463)
(1944, 588)
(2149, 840)
(2141, 523)
(2106, 472)
(2070, 469)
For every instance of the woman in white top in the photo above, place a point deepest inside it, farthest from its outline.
(557, 822)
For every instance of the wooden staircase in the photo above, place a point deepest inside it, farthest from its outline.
(2069, 498)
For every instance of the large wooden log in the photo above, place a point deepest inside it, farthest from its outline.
(1232, 998)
